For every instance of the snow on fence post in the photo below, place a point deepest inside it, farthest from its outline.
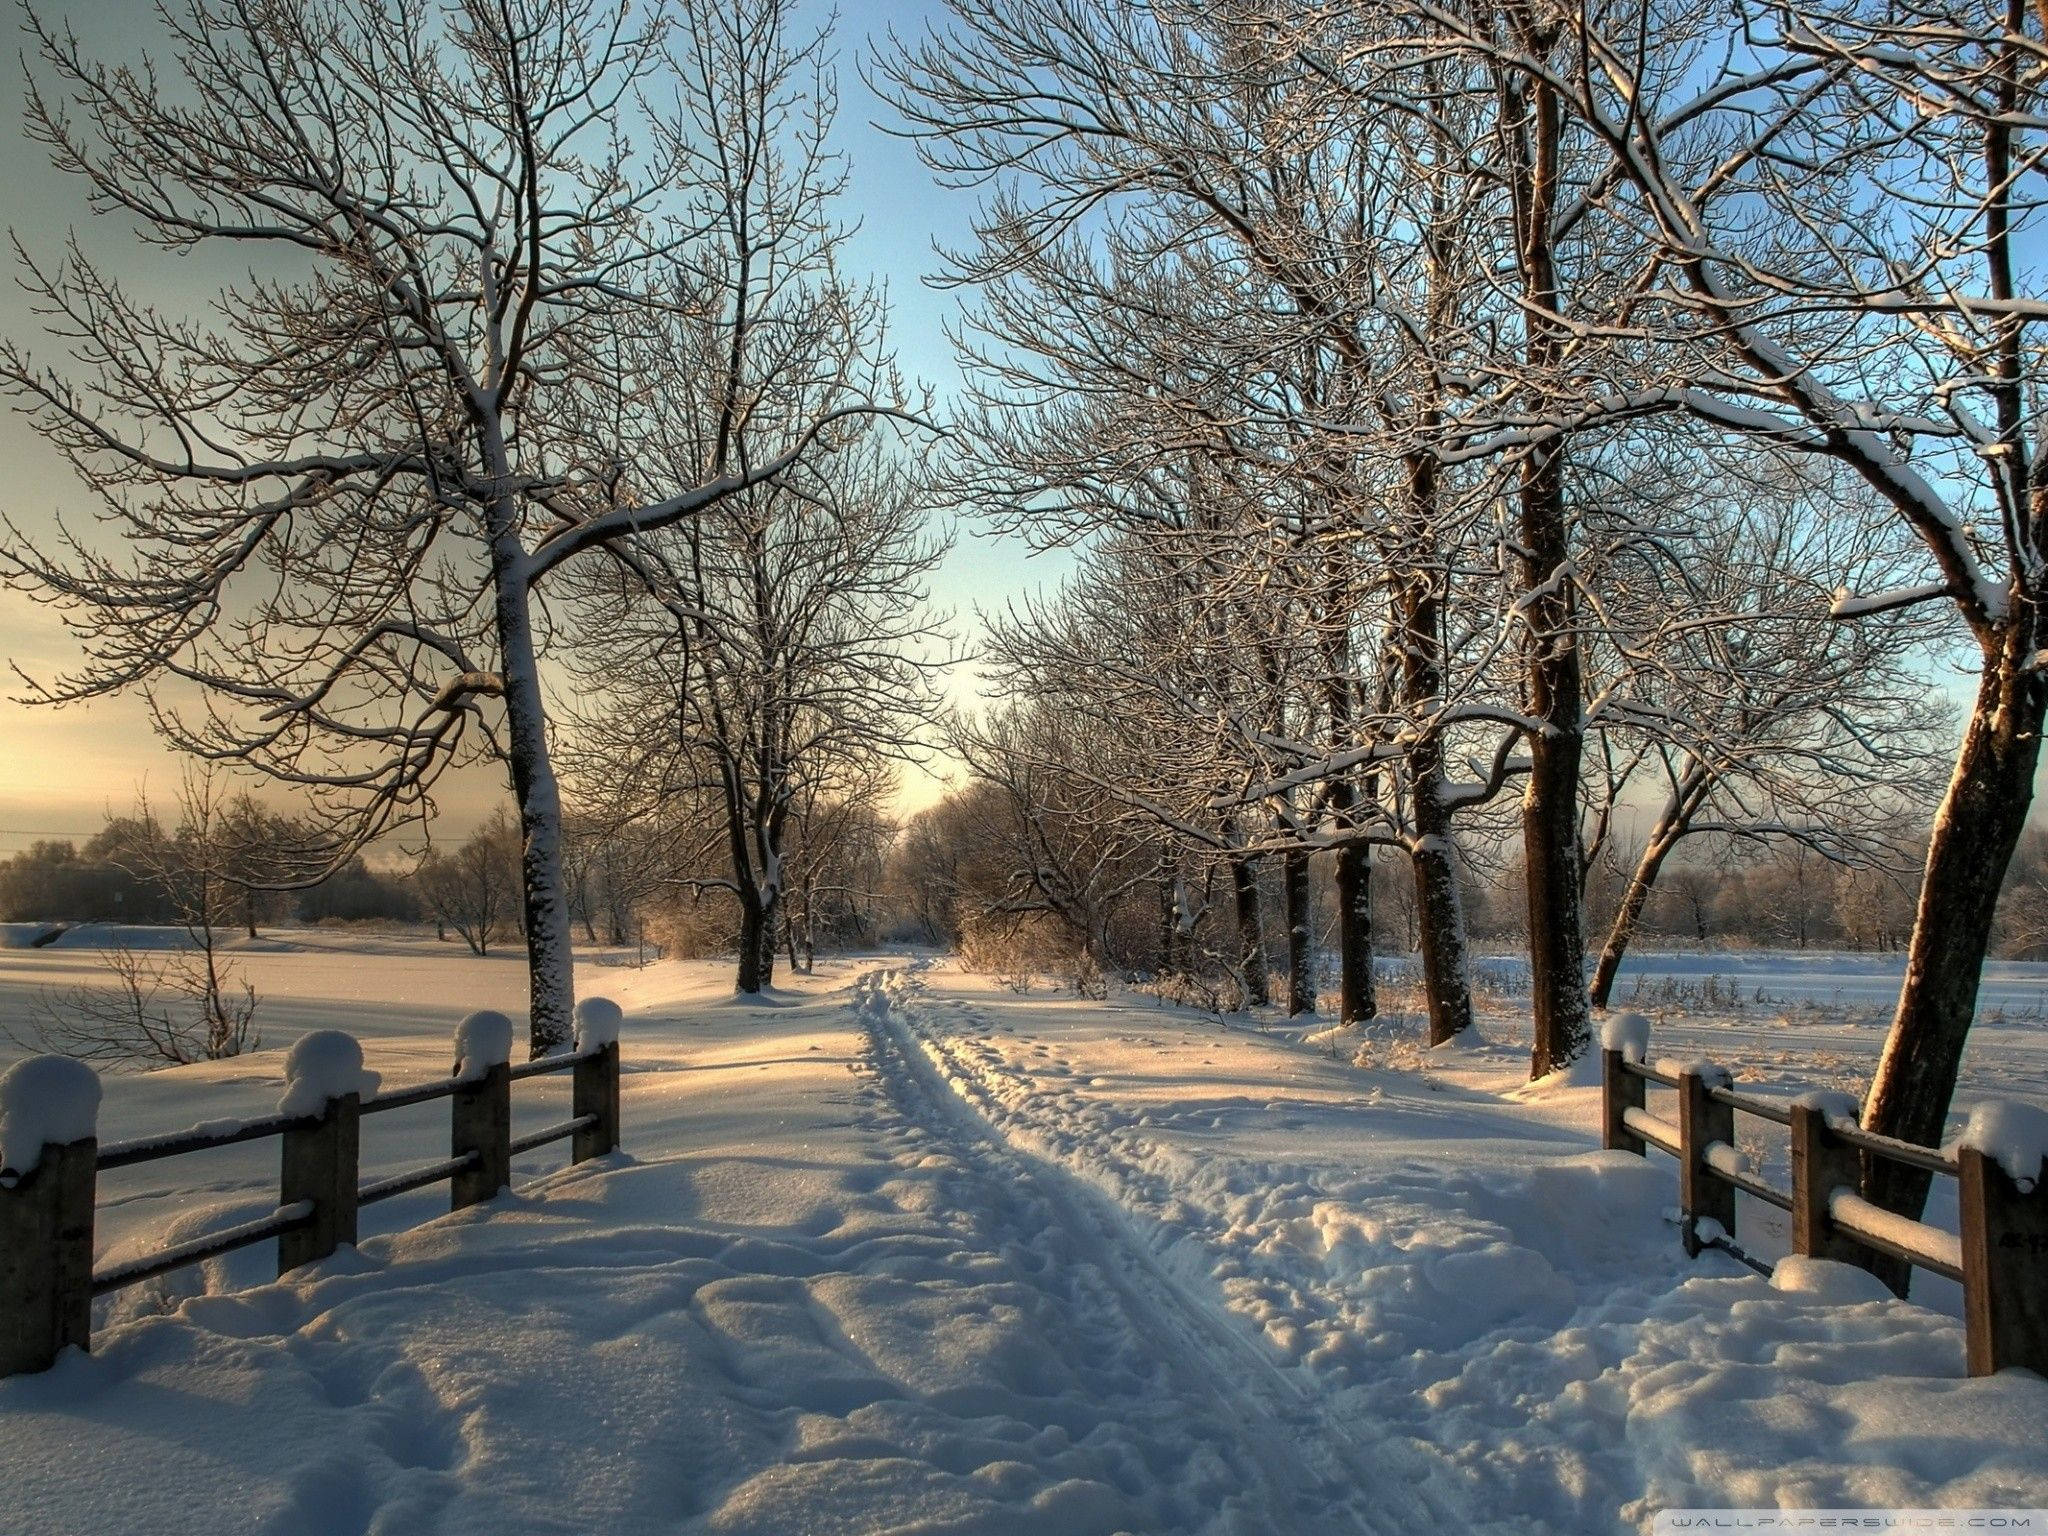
(1625, 1037)
(49, 1151)
(481, 1115)
(1701, 1123)
(595, 1087)
(1821, 1163)
(324, 1080)
(2002, 1178)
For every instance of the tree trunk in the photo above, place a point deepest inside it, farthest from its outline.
(249, 909)
(1550, 800)
(757, 946)
(544, 908)
(1251, 932)
(1358, 998)
(1971, 845)
(1670, 828)
(1169, 928)
(1623, 928)
(1440, 916)
(1557, 945)
(1301, 956)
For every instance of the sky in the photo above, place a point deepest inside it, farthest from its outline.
(61, 771)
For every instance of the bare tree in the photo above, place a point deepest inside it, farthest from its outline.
(1049, 841)
(1724, 692)
(1840, 228)
(475, 889)
(779, 640)
(1195, 247)
(185, 1004)
(786, 651)
(336, 502)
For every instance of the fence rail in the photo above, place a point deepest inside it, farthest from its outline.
(2000, 1257)
(47, 1282)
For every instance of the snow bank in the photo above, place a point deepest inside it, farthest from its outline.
(482, 1041)
(2014, 1135)
(1828, 1281)
(1582, 1071)
(45, 1101)
(325, 1064)
(1628, 1033)
(136, 936)
(597, 1023)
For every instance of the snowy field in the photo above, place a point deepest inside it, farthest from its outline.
(900, 1250)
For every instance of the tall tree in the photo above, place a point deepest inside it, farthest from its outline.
(1842, 227)
(328, 510)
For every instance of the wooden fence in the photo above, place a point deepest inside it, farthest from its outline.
(47, 1282)
(2000, 1258)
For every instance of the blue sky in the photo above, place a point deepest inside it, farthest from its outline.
(60, 771)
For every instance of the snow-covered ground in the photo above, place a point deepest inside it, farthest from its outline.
(900, 1250)
(1751, 979)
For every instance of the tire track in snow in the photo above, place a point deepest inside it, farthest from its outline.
(1305, 1464)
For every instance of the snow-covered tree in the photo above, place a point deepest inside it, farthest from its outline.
(1841, 197)
(330, 505)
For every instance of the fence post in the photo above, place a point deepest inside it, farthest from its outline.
(1620, 1091)
(2005, 1265)
(46, 1258)
(595, 1091)
(482, 1123)
(320, 1158)
(1702, 1122)
(480, 1119)
(49, 1156)
(1821, 1163)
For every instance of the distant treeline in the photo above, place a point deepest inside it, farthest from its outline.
(947, 877)
(108, 879)
(973, 873)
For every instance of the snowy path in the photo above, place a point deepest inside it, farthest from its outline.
(1305, 1467)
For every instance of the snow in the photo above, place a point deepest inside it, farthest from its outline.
(1727, 1160)
(1628, 1033)
(2014, 1135)
(1827, 1280)
(98, 936)
(323, 1064)
(1851, 1210)
(1833, 1106)
(597, 1023)
(1582, 1071)
(911, 1252)
(1712, 1073)
(45, 1101)
(1848, 605)
(1654, 1129)
(483, 1040)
